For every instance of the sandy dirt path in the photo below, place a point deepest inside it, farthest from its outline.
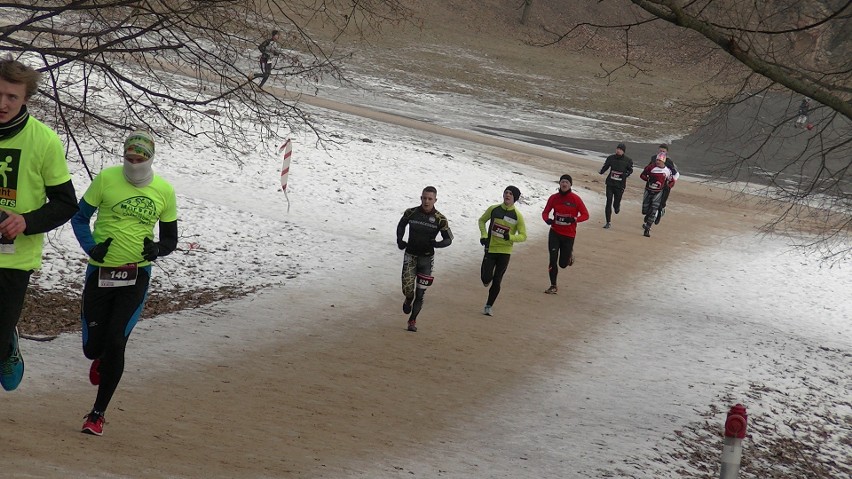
(347, 386)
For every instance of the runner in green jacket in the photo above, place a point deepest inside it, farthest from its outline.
(500, 227)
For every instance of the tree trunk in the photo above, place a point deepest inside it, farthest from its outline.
(526, 13)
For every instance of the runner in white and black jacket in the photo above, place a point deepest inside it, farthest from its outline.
(664, 148)
(656, 175)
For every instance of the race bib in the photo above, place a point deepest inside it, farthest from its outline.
(117, 277)
(499, 231)
(616, 175)
(561, 220)
(424, 281)
(7, 246)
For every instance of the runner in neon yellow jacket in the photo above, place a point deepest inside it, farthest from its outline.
(36, 196)
(500, 227)
(130, 201)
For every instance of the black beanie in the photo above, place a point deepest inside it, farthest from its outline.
(567, 177)
(516, 193)
(621, 147)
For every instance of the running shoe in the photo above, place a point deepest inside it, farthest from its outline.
(551, 290)
(571, 260)
(12, 369)
(406, 306)
(659, 216)
(487, 310)
(607, 226)
(94, 424)
(412, 326)
(95, 372)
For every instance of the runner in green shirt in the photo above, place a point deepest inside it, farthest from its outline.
(130, 200)
(36, 196)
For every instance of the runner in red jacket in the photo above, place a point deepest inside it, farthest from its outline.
(568, 210)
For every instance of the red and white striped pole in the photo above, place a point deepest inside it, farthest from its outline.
(732, 450)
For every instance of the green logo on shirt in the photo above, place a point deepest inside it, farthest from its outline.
(140, 207)
(10, 160)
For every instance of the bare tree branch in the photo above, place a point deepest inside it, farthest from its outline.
(745, 50)
(772, 52)
(180, 68)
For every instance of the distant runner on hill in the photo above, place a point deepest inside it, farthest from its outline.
(804, 110)
(424, 223)
(268, 49)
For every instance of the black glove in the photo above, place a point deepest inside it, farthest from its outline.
(549, 221)
(483, 241)
(99, 251)
(150, 250)
(401, 244)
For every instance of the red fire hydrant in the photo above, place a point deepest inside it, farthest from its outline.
(732, 450)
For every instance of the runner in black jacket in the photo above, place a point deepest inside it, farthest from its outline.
(268, 49)
(424, 223)
(620, 166)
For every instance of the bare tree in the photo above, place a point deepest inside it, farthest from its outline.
(182, 67)
(769, 56)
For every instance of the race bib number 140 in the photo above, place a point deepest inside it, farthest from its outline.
(118, 276)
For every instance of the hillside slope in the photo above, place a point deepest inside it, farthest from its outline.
(482, 49)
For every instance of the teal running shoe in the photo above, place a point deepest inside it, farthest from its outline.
(12, 369)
